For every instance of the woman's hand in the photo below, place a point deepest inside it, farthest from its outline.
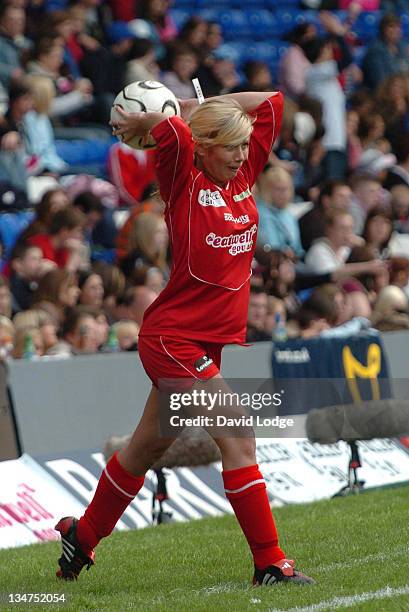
(129, 125)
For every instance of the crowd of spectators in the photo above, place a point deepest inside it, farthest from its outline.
(92, 253)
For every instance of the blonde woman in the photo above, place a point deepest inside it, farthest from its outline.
(38, 131)
(206, 169)
(278, 228)
(148, 242)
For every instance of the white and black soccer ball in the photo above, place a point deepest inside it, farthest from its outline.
(145, 97)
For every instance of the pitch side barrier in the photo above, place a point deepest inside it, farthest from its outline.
(66, 409)
(75, 404)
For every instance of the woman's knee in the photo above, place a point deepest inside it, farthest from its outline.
(243, 449)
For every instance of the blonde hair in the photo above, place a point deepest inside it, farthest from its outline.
(43, 92)
(220, 122)
(31, 318)
(280, 175)
(141, 237)
(20, 338)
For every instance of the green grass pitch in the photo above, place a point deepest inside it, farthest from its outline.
(356, 548)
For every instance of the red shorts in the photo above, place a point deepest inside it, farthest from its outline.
(166, 359)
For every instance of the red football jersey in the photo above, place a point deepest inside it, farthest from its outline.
(213, 233)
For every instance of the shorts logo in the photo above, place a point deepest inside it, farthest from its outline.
(203, 363)
(242, 219)
(236, 243)
(207, 197)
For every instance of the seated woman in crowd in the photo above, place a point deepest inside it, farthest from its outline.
(38, 131)
(147, 245)
(277, 226)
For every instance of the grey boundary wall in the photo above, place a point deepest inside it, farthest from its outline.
(75, 404)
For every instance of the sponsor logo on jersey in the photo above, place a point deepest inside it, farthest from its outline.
(242, 219)
(242, 196)
(211, 198)
(203, 363)
(236, 243)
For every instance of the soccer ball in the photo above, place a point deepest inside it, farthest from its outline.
(145, 97)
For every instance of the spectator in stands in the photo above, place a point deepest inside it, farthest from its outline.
(5, 298)
(72, 96)
(62, 243)
(392, 98)
(399, 273)
(332, 251)
(155, 280)
(38, 132)
(378, 230)
(40, 320)
(400, 208)
(7, 334)
(219, 73)
(257, 315)
(387, 55)
(97, 16)
(183, 64)
(294, 63)
(279, 279)
(12, 43)
(52, 201)
(376, 276)
(193, 34)
(13, 167)
(57, 290)
(399, 174)
(133, 303)
(334, 195)
(20, 340)
(141, 64)
(101, 324)
(277, 226)
(114, 286)
(366, 195)
(214, 36)
(375, 163)
(156, 13)
(25, 271)
(317, 314)
(92, 289)
(96, 217)
(147, 244)
(390, 311)
(78, 335)
(322, 83)
(258, 77)
(127, 333)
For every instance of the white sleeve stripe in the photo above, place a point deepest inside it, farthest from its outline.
(246, 486)
(176, 162)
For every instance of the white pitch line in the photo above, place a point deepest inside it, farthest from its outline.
(381, 556)
(351, 600)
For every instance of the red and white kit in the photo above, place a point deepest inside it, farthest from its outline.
(213, 232)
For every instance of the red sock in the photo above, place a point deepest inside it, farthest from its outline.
(246, 491)
(115, 491)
